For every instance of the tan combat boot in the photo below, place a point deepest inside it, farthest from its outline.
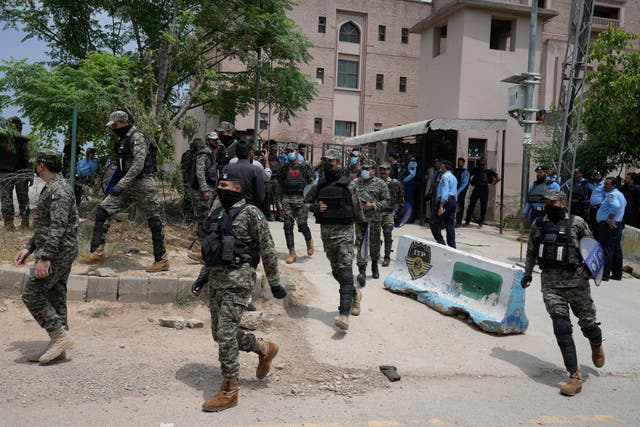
(24, 223)
(597, 356)
(226, 398)
(61, 340)
(573, 385)
(267, 351)
(355, 304)
(162, 265)
(310, 249)
(292, 256)
(94, 257)
(342, 322)
(35, 357)
(196, 252)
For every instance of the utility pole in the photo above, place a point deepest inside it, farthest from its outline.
(74, 147)
(256, 121)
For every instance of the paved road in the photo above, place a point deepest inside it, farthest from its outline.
(452, 373)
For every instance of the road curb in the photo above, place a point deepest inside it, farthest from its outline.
(150, 289)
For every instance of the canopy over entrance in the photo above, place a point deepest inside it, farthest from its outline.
(423, 127)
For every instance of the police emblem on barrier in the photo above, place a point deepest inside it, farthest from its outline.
(418, 260)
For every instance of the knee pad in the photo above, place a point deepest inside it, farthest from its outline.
(561, 326)
(345, 277)
(155, 225)
(101, 214)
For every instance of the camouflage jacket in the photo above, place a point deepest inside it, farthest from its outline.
(203, 163)
(55, 221)
(557, 277)
(140, 147)
(396, 193)
(374, 191)
(251, 226)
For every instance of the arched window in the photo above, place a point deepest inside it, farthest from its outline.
(349, 33)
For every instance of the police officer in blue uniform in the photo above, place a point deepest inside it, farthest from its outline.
(596, 188)
(444, 211)
(610, 225)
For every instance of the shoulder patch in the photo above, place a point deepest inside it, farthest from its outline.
(55, 196)
(611, 197)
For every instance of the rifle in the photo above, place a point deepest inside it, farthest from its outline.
(113, 180)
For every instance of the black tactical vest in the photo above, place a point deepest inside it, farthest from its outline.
(536, 195)
(579, 191)
(337, 197)
(275, 166)
(480, 177)
(294, 178)
(557, 249)
(124, 154)
(210, 175)
(221, 246)
(457, 172)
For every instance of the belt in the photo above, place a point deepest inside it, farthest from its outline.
(605, 221)
(538, 208)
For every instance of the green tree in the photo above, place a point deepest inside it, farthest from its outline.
(612, 103)
(169, 56)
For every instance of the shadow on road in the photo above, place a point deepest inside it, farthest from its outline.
(537, 369)
(29, 348)
(208, 379)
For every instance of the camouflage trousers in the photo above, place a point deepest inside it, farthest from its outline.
(46, 299)
(229, 295)
(337, 240)
(559, 301)
(375, 228)
(295, 210)
(201, 207)
(9, 180)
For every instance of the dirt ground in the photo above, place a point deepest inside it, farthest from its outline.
(122, 351)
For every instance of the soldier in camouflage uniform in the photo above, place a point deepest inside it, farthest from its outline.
(293, 178)
(136, 157)
(554, 245)
(336, 207)
(373, 194)
(396, 199)
(15, 171)
(272, 187)
(55, 246)
(237, 237)
(203, 178)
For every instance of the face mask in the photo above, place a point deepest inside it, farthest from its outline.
(364, 174)
(228, 198)
(122, 132)
(555, 213)
(353, 160)
(291, 156)
(329, 170)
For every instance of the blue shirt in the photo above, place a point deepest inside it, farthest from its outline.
(613, 203)
(464, 180)
(597, 192)
(412, 168)
(447, 187)
(87, 167)
(527, 207)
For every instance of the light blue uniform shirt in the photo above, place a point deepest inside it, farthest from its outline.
(554, 186)
(447, 187)
(613, 203)
(464, 178)
(412, 168)
(597, 193)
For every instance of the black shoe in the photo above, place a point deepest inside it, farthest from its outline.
(386, 261)
(362, 277)
(374, 270)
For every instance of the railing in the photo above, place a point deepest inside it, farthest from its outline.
(604, 22)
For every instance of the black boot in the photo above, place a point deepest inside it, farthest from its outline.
(362, 276)
(386, 261)
(388, 242)
(374, 270)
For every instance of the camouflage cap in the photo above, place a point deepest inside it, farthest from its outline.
(224, 126)
(50, 157)
(292, 146)
(197, 143)
(333, 153)
(213, 135)
(555, 195)
(368, 163)
(355, 153)
(117, 116)
(385, 165)
(231, 175)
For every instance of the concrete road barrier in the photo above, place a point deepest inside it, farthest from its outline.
(631, 249)
(452, 281)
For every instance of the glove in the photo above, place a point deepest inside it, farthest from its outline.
(116, 190)
(526, 280)
(278, 291)
(198, 285)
